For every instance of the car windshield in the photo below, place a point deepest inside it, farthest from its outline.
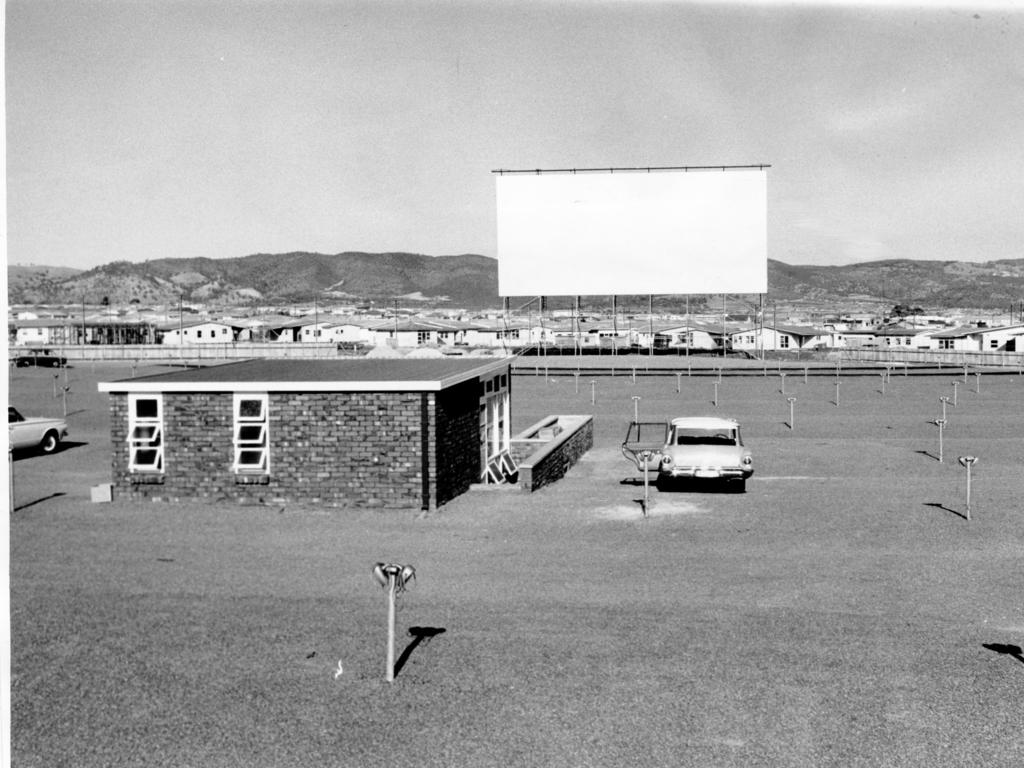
(691, 436)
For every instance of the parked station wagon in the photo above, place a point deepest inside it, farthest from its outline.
(692, 447)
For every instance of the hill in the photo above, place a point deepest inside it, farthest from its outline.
(929, 284)
(470, 280)
(287, 277)
(30, 284)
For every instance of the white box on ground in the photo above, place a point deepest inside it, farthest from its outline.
(101, 493)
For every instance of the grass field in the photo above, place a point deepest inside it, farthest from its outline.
(841, 612)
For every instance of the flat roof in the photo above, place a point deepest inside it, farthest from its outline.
(378, 375)
(704, 422)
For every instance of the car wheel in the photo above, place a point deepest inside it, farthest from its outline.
(49, 443)
(662, 483)
(739, 486)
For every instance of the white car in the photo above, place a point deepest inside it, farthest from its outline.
(34, 432)
(694, 447)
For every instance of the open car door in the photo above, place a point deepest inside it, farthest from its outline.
(644, 443)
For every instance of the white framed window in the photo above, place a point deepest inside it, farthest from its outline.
(251, 434)
(495, 421)
(422, 337)
(145, 433)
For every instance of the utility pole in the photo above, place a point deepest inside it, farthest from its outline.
(688, 331)
(181, 337)
(576, 320)
(615, 325)
(650, 318)
(723, 325)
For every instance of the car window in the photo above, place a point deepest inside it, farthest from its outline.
(686, 436)
(13, 416)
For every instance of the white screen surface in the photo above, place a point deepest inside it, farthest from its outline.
(632, 232)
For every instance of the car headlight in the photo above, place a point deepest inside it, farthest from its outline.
(666, 461)
(747, 461)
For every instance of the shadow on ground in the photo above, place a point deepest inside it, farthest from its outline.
(420, 636)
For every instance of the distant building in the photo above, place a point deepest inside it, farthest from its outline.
(199, 332)
(1005, 338)
(905, 337)
(779, 337)
(57, 331)
(417, 332)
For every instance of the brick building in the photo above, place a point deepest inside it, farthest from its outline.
(388, 433)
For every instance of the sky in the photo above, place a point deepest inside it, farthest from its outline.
(152, 129)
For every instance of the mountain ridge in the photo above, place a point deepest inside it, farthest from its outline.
(470, 280)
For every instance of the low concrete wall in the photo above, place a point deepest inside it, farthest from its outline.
(549, 448)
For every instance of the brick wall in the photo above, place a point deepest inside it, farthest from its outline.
(550, 462)
(457, 440)
(335, 449)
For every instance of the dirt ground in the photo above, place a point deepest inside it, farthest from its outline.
(841, 612)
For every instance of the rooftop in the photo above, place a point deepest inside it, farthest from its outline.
(377, 375)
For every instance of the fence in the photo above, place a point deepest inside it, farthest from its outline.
(330, 351)
(931, 357)
(201, 352)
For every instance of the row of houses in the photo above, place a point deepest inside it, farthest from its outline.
(517, 334)
(788, 337)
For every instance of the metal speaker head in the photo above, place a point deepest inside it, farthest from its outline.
(966, 461)
(408, 573)
(379, 575)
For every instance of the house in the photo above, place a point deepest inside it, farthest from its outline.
(779, 337)
(40, 331)
(604, 334)
(859, 321)
(314, 330)
(375, 433)
(354, 330)
(843, 338)
(417, 332)
(905, 337)
(95, 329)
(498, 336)
(199, 332)
(962, 339)
(688, 337)
(1004, 338)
